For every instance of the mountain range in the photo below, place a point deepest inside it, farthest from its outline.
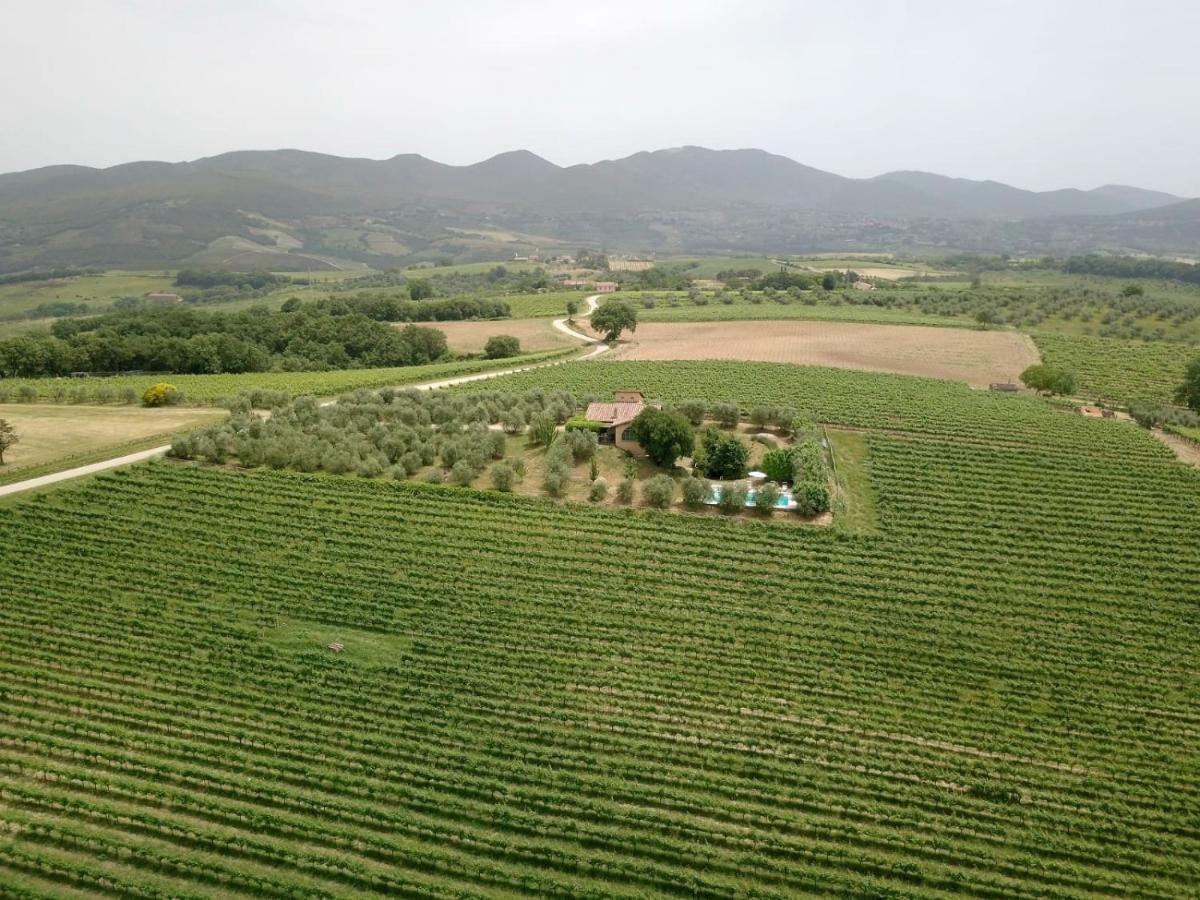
(291, 209)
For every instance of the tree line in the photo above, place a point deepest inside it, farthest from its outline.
(307, 338)
(1133, 267)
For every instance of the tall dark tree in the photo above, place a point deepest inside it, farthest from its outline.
(664, 435)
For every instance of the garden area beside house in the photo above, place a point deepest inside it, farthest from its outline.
(706, 459)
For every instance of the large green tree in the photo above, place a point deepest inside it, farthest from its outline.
(1189, 392)
(664, 435)
(1049, 380)
(724, 455)
(614, 317)
(419, 289)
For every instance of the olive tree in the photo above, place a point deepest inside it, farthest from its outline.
(659, 491)
(766, 496)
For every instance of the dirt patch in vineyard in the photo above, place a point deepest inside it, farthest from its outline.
(534, 334)
(957, 354)
(1185, 451)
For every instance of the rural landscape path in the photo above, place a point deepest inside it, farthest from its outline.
(598, 347)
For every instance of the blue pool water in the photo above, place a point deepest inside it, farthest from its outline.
(785, 500)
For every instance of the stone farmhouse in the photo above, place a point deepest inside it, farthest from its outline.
(617, 417)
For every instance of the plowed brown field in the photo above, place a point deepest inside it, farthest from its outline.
(958, 354)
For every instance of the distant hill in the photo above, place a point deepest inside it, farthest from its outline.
(294, 209)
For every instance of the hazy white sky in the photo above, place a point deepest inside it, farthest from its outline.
(1043, 94)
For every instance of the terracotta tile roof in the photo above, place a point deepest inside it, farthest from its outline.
(613, 413)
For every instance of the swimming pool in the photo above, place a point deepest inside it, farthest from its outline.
(785, 500)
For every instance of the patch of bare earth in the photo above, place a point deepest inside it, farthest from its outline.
(470, 337)
(1185, 451)
(958, 354)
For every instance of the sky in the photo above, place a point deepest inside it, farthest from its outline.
(1042, 95)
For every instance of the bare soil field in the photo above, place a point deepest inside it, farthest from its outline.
(957, 354)
(49, 432)
(534, 334)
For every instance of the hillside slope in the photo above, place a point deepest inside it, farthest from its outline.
(410, 207)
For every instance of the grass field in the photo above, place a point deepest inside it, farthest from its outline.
(1108, 368)
(207, 389)
(993, 694)
(51, 433)
(969, 355)
(535, 335)
(95, 290)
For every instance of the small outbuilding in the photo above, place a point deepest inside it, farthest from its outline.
(616, 417)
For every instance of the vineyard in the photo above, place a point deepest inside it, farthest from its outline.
(995, 695)
(1113, 369)
(209, 389)
(846, 397)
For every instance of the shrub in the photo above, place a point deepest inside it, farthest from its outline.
(727, 414)
(732, 499)
(462, 473)
(812, 498)
(557, 477)
(181, 446)
(598, 491)
(695, 491)
(370, 467)
(556, 482)
(803, 426)
(762, 416)
(161, 394)
(434, 476)
(582, 423)
(766, 496)
(27, 393)
(659, 491)
(625, 490)
(808, 463)
(784, 416)
(694, 410)
(501, 346)
(514, 419)
(503, 476)
(580, 444)
(779, 464)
